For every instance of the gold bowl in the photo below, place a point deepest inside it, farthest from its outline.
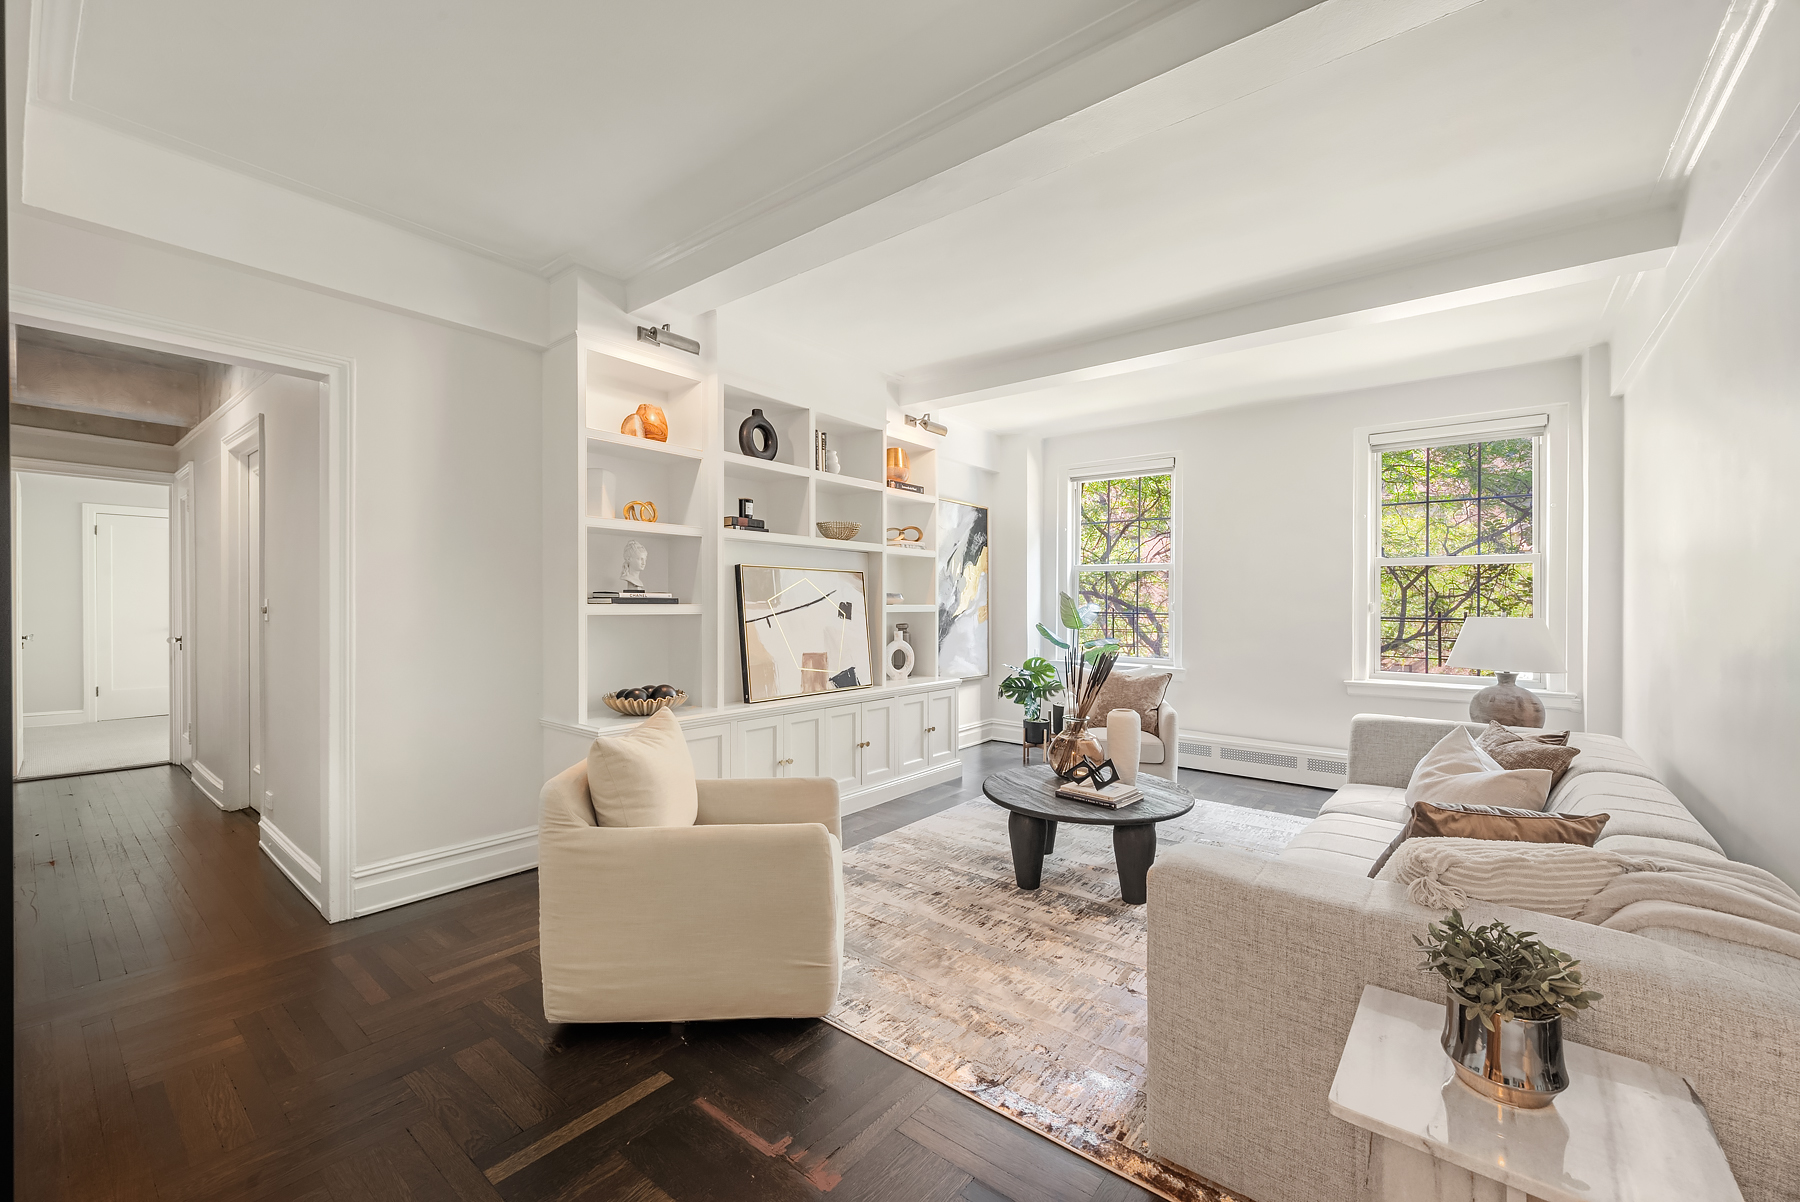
(839, 530)
(646, 707)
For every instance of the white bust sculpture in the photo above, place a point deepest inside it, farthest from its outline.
(636, 560)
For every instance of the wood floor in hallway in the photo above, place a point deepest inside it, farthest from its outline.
(188, 1027)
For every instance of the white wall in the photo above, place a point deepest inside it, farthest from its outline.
(446, 519)
(50, 600)
(293, 638)
(1712, 557)
(1265, 495)
(968, 482)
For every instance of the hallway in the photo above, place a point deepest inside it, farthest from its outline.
(95, 746)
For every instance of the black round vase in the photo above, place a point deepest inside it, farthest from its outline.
(747, 436)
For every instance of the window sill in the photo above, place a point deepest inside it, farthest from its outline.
(1436, 690)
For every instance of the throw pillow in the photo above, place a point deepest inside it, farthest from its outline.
(1142, 692)
(1458, 772)
(1497, 823)
(1550, 878)
(644, 777)
(1510, 750)
(1497, 735)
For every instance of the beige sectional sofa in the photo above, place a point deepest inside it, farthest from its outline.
(1256, 966)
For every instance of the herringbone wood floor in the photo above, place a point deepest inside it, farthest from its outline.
(189, 1028)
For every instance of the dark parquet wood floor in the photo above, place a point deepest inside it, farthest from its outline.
(188, 1027)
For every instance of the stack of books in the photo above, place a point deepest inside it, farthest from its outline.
(1115, 796)
(821, 448)
(903, 486)
(632, 597)
(744, 524)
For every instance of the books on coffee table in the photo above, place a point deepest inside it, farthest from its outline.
(1115, 796)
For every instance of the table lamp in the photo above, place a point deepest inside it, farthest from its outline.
(1506, 647)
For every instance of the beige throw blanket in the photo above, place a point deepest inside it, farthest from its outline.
(1721, 898)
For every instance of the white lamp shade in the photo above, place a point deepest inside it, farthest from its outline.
(1506, 645)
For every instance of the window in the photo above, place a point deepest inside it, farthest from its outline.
(1457, 537)
(1124, 559)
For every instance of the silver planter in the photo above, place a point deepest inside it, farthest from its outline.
(1519, 1063)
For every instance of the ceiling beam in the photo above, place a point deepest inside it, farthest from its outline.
(1407, 285)
(1164, 71)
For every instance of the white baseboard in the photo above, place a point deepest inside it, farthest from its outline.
(862, 799)
(990, 731)
(295, 864)
(1295, 763)
(56, 718)
(208, 782)
(403, 879)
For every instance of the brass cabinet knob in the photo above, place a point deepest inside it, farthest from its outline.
(863, 744)
(784, 761)
(929, 729)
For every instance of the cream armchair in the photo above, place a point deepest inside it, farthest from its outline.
(1157, 753)
(739, 916)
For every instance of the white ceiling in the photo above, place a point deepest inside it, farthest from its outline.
(1505, 110)
(953, 195)
(602, 132)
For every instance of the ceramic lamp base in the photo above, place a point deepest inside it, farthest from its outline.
(1507, 703)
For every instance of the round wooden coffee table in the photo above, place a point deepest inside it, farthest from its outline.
(1030, 793)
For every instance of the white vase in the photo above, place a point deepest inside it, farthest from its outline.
(1123, 744)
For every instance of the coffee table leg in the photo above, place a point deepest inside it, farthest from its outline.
(1134, 848)
(1049, 837)
(1028, 837)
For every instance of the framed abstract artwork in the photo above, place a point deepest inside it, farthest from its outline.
(962, 599)
(802, 630)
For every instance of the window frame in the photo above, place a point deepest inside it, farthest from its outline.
(1548, 426)
(1071, 567)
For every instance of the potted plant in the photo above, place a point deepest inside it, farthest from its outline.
(1508, 994)
(1078, 656)
(1028, 685)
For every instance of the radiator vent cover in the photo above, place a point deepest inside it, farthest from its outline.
(1193, 747)
(1329, 767)
(1258, 757)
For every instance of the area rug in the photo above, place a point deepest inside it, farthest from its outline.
(1030, 1003)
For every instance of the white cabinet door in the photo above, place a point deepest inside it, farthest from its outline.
(710, 746)
(758, 747)
(803, 744)
(879, 752)
(940, 728)
(843, 747)
(909, 734)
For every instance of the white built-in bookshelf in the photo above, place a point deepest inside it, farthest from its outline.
(695, 479)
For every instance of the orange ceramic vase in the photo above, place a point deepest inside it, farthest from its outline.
(647, 422)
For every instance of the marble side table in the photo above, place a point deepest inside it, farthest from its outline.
(1623, 1131)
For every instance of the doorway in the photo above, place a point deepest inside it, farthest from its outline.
(91, 619)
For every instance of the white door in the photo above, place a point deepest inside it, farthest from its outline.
(710, 749)
(909, 734)
(803, 744)
(181, 608)
(940, 728)
(878, 759)
(758, 750)
(255, 622)
(129, 580)
(843, 746)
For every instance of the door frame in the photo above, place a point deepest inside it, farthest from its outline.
(337, 467)
(90, 598)
(242, 493)
(56, 467)
(181, 615)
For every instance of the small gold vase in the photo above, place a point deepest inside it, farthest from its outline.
(899, 465)
(1070, 747)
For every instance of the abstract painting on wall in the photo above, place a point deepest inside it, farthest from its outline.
(962, 589)
(803, 630)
